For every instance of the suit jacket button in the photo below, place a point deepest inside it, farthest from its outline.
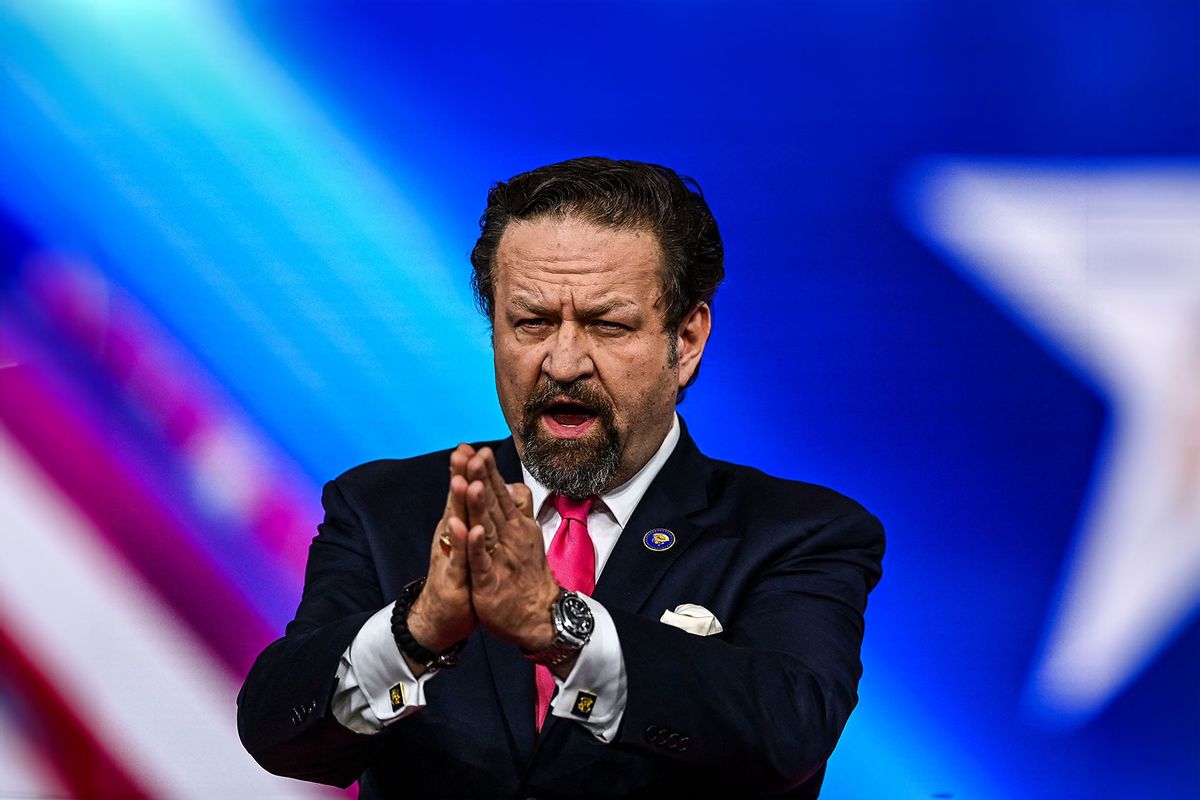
(672, 742)
(683, 744)
(650, 731)
(660, 738)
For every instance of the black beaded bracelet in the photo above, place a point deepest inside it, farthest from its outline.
(404, 639)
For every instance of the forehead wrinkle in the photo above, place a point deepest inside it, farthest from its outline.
(542, 277)
(599, 294)
(575, 266)
(569, 272)
(586, 308)
(575, 242)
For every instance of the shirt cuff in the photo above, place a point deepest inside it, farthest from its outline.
(594, 692)
(375, 687)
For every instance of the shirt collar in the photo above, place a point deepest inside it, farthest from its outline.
(621, 501)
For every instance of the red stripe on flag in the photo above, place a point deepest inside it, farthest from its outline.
(75, 753)
(86, 463)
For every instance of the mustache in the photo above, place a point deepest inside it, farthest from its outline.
(586, 394)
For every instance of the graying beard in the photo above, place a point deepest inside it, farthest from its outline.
(576, 480)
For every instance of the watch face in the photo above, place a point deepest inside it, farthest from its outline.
(577, 617)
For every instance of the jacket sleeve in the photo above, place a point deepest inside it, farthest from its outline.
(284, 715)
(765, 701)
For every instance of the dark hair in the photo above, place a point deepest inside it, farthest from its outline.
(629, 195)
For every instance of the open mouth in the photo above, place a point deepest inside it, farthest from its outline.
(568, 418)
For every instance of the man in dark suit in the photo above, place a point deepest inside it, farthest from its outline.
(604, 612)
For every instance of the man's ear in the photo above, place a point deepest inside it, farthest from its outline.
(691, 338)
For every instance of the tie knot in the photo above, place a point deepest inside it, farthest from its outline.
(570, 508)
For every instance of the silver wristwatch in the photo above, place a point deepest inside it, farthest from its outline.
(573, 626)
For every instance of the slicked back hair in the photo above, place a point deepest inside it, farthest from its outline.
(624, 195)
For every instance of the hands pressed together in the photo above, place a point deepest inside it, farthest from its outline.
(494, 572)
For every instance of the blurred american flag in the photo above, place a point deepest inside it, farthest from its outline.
(155, 541)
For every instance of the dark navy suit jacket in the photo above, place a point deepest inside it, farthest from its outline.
(753, 711)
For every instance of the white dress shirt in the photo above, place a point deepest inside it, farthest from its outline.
(372, 665)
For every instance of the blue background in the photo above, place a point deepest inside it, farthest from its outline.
(845, 351)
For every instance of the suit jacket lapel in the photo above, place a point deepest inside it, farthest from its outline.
(678, 491)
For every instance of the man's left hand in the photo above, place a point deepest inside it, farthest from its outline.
(512, 587)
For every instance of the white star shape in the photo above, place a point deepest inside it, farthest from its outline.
(1103, 259)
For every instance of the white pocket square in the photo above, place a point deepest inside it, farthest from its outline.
(693, 619)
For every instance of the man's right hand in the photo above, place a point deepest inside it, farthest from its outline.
(443, 615)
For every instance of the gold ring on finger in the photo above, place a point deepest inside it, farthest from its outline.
(446, 543)
(491, 548)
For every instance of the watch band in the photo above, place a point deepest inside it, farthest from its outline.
(553, 655)
(405, 642)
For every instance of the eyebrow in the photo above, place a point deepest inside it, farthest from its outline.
(534, 307)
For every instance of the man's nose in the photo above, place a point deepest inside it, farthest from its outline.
(569, 358)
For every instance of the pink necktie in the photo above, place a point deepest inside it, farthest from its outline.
(573, 561)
